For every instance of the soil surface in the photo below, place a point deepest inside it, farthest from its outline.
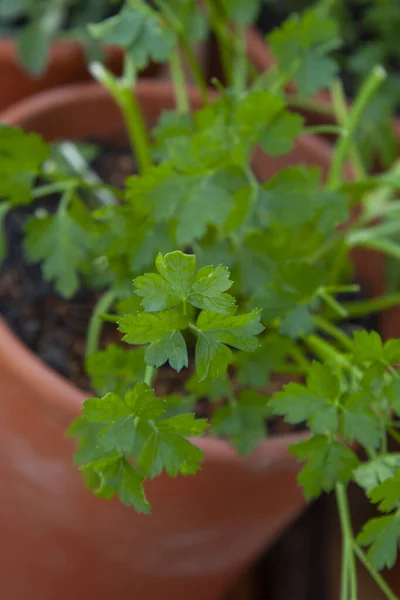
(52, 327)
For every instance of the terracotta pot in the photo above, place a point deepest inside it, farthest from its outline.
(204, 530)
(67, 64)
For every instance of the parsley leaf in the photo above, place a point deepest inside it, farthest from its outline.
(63, 247)
(314, 403)
(167, 450)
(21, 156)
(141, 31)
(329, 463)
(294, 283)
(242, 421)
(369, 475)
(293, 197)
(359, 420)
(177, 282)
(135, 426)
(117, 475)
(368, 347)
(301, 46)
(161, 332)
(383, 535)
(387, 493)
(115, 369)
(216, 332)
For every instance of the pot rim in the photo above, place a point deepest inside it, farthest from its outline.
(18, 359)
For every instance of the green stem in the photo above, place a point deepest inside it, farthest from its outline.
(196, 69)
(324, 129)
(373, 305)
(74, 159)
(126, 99)
(240, 63)
(367, 91)
(308, 105)
(52, 188)
(382, 245)
(341, 112)
(96, 322)
(326, 351)
(333, 331)
(178, 78)
(348, 562)
(136, 126)
(395, 434)
(374, 574)
(224, 41)
(301, 359)
(148, 375)
(371, 233)
(332, 303)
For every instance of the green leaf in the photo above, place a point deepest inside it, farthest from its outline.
(295, 283)
(278, 138)
(162, 332)
(360, 421)
(393, 394)
(213, 390)
(302, 45)
(21, 155)
(369, 475)
(383, 535)
(216, 332)
(391, 352)
(242, 421)
(208, 287)
(194, 202)
(242, 12)
(314, 403)
(176, 283)
(207, 203)
(4, 208)
(61, 245)
(192, 20)
(298, 322)
(255, 369)
(367, 346)
(139, 426)
(294, 198)
(115, 369)
(387, 493)
(138, 402)
(171, 286)
(141, 31)
(167, 450)
(329, 463)
(117, 475)
(33, 45)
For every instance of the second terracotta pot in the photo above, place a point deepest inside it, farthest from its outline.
(67, 64)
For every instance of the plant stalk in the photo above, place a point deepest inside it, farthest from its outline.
(369, 88)
(125, 96)
(96, 322)
(148, 375)
(349, 573)
(178, 78)
(381, 583)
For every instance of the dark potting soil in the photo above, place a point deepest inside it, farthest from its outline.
(52, 327)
